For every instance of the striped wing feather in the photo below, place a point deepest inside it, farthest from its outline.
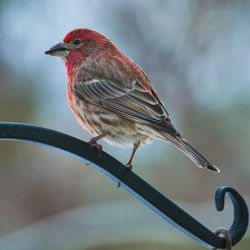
(129, 101)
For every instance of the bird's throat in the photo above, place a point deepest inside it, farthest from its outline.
(73, 61)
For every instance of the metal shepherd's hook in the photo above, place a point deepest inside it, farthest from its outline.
(138, 187)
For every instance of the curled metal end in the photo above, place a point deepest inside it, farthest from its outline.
(240, 222)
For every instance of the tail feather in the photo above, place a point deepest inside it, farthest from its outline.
(191, 152)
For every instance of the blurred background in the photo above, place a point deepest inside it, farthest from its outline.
(196, 54)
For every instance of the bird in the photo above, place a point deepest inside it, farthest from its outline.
(113, 99)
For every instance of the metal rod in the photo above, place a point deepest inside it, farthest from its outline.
(136, 185)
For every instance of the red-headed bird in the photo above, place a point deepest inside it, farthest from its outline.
(112, 97)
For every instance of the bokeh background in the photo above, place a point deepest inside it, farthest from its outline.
(197, 55)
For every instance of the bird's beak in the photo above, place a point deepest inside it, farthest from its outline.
(60, 50)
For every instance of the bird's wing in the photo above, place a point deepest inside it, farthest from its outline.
(130, 101)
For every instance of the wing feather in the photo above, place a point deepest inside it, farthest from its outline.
(131, 102)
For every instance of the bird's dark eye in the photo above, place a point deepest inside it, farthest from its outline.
(76, 42)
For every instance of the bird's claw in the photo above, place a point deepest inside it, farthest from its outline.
(93, 143)
(129, 169)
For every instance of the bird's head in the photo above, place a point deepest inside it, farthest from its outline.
(78, 45)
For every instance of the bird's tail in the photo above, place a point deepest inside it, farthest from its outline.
(191, 152)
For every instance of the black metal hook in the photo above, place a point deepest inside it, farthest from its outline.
(240, 222)
(135, 185)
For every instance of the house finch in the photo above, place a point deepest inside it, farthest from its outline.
(112, 97)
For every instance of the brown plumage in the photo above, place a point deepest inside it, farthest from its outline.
(113, 98)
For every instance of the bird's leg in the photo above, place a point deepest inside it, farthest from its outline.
(129, 163)
(93, 142)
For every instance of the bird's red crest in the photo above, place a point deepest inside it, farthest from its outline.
(84, 35)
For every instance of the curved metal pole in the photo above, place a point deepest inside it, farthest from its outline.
(135, 185)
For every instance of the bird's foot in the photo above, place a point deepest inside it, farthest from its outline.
(129, 169)
(93, 143)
